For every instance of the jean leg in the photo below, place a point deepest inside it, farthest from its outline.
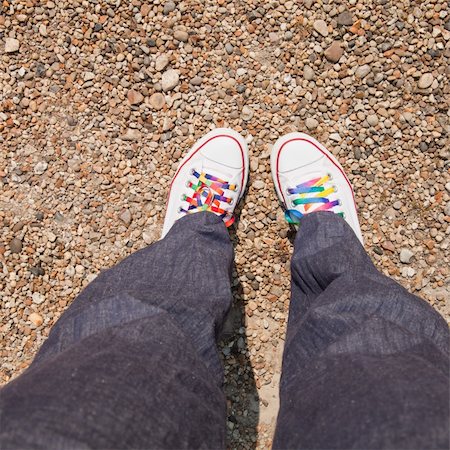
(133, 361)
(365, 363)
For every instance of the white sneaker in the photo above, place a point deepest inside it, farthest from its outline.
(211, 177)
(308, 178)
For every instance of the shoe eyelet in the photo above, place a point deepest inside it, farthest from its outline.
(192, 171)
(180, 210)
(330, 177)
(335, 189)
(183, 197)
(188, 184)
(343, 215)
(287, 191)
(231, 202)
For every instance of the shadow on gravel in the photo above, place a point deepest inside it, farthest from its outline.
(239, 382)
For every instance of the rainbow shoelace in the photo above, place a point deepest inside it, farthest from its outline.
(208, 192)
(309, 194)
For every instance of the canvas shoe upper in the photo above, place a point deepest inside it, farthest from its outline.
(211, 177)
(309, 178)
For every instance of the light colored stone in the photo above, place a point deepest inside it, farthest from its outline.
(157, 101)
(252, 305)
(372, 120)
(321, 27)
(51, 236)
(88, 76)
(38, 298)
(447, 209)
(131, 135)
(425, 81)
(36, 319)
(362, 71)
(162, 61)
(247, 113)
(40, 167)
(125, 217)
(406, 255)
(181, 35)
(336, 137)
(274, 37)
(311, 123)
(196, 81)
(11, 45)
(170, 80)
(169, 7)
(308, 73)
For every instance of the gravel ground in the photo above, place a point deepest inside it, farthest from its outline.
(100, 99)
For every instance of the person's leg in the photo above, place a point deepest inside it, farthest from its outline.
(365, 363)
(133, 362)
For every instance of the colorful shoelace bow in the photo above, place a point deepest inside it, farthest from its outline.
(310, 193)
(208, 193)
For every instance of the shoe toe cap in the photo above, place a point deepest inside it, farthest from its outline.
(224, 150)
(297, 153)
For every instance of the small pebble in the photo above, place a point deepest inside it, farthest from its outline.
(38, 298)
(229, 48)
(372, 120)
(311, 123)
(125, 217)
(181, 36)
(426, 80)
(247, 113)
(15, 245)
(169, 7)
(40, 168)
(36, 319)
(308, 73)
(170, 80)
(362, 71)
(334, 52)
(162, 61)
(131, 135)
(11, 45)
(134, 97)
(406, 255)
(157, 101)
(196, 81)
(321, 27)
(344, 18)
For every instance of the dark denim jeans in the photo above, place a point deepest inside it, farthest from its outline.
(133, 363)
